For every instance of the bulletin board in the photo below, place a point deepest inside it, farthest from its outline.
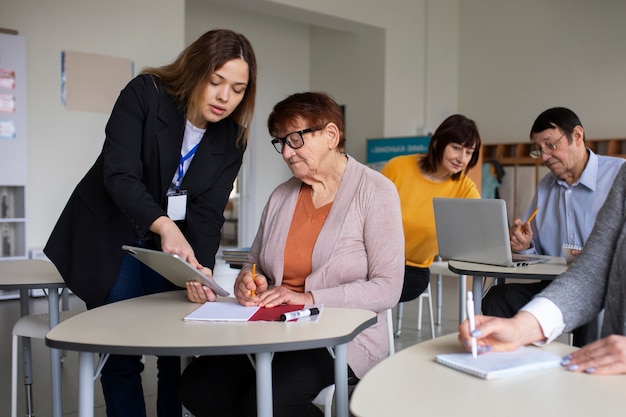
(92, 82)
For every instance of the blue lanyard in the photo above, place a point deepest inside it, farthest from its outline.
(181, 170)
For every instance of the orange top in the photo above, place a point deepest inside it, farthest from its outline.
(306, 224)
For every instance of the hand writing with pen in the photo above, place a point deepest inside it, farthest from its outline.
(250, 285)
(255, 290)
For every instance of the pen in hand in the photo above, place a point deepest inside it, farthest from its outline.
(253, 277)
(532, 216)
(472, 324)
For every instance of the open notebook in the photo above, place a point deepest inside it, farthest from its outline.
(476, 230)
(494, 365)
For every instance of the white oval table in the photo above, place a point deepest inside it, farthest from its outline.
(154, 325)
(411, 383)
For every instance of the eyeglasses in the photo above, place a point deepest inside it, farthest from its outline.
(294, 140)
(550, 147)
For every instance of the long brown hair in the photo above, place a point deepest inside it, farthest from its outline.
(186, 77)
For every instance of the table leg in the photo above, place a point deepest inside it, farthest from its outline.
(263, 384)
(27, 360)
(477, 289)
(85, 384)
(439, 298)
(55, 355)
(341, 380)
(462, 295)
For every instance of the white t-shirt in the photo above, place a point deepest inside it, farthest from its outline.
(192, 137)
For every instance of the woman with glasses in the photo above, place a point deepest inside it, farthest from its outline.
(331, 235)
(453, 150)
(174, 145)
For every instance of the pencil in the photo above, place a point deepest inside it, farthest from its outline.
(253, 277)
(532, 216)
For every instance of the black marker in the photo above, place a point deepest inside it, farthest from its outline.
(300, 313)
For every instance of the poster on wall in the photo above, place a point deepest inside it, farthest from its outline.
(7, 103)
(7, 79)
(7, 129)
(381, 150)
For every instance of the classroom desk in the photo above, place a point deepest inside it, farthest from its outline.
(30, 274)
(543, 271)
(154, 325)
(411, 383)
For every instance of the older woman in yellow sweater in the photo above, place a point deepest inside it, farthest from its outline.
(452, 152)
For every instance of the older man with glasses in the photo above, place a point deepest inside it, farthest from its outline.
(568, 200)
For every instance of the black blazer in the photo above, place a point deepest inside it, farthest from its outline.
(124, 192)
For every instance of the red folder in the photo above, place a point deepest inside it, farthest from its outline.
(273, 313)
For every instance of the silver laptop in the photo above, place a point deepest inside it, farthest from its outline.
(476, 230)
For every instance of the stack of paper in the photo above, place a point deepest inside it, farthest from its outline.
(235, 257)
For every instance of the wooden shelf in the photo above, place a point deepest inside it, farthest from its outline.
(518, 153)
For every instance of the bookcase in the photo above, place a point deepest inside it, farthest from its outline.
(12, 222)
(522, 173)
(13, 151)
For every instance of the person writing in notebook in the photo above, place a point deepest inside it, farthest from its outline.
(453, 150)
(568, 197)
(174, 145)
(331, 235)
(595, 281)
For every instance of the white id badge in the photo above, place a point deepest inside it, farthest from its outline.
(177, 205)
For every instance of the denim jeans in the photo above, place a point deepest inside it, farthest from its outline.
(121, 375)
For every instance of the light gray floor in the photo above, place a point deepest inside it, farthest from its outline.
(9, 313)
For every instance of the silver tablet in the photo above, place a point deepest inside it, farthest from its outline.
(172, 267)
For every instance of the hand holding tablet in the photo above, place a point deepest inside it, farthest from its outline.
(173, 268)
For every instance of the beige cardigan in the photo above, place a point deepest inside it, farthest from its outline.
(358, 259)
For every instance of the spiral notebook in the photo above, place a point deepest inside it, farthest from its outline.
(494, 365)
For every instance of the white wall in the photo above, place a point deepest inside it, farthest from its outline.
(518, 58)
(63, 144)
(500, 62)
(350, 66)
(403, 22)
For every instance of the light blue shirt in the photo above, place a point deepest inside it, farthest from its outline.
(567, 213)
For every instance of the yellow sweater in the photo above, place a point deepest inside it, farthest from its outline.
(416, 195)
